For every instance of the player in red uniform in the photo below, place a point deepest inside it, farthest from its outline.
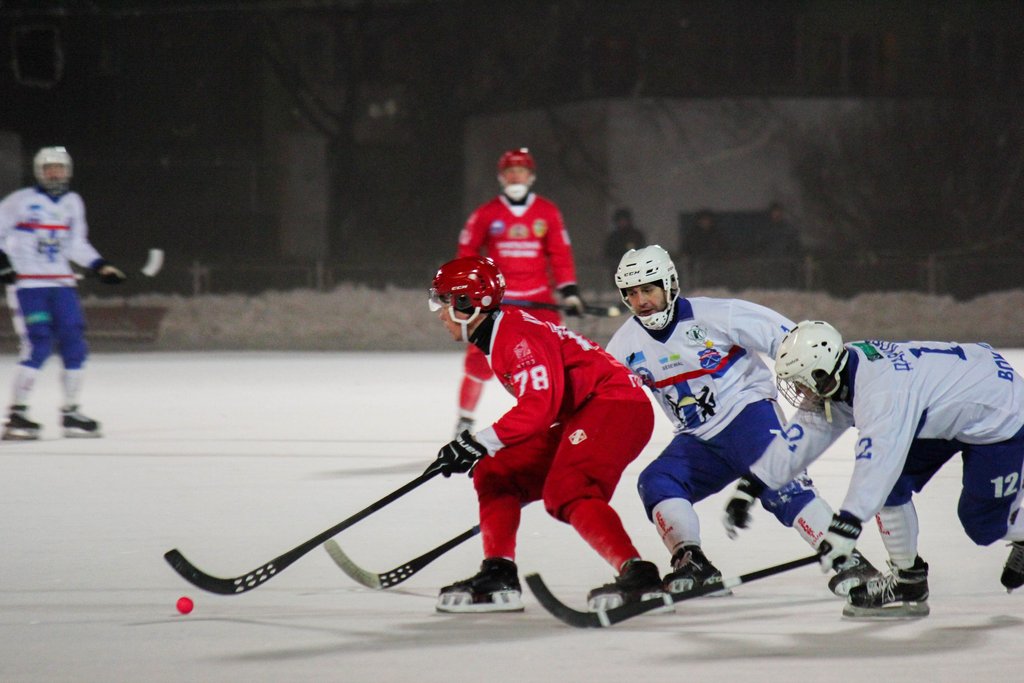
(580, 418)
(524, 234)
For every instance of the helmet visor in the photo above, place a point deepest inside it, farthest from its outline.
(437, 301)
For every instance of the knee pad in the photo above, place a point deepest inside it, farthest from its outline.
(985, 521)
(491, 480)
(787, 502)
(561, 492)
(655, 485)
(40, 343)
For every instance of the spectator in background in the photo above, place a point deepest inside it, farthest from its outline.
(699, 236)
(623, 237)
(781, 238)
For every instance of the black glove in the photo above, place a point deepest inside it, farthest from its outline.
(108, 274)
(8, 276)
(836, 547)
(737, 510)
(571, 301)
(460, 455)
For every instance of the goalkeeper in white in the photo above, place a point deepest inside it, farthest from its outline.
(915, 405)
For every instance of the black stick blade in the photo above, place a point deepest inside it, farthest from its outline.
(605, 618)
(214, 584)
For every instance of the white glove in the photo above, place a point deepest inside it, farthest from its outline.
(837, 546)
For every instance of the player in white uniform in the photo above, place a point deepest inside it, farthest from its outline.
(42, 231)
(699, 357)
(915, 405)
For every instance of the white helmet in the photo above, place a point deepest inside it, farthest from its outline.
(808, 363)
(52, 155)
(644, 266)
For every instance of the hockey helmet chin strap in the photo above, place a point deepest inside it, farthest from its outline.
(834, 377)
(464, 324)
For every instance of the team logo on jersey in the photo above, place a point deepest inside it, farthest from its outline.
(870, 352)
(636, 358)
(540, 228)
(577, 437)
(523, 352)
(635, 362)
(709, 357)
(518, 231)
(497, 227)
(696, 335)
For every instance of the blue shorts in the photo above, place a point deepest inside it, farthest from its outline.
(693, 469)
(51, 316)
(991, 481)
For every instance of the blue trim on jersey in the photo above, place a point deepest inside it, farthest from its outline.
(683, 311)
(53, 198)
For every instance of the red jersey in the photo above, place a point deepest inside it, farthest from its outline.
(528, 242)
(552, 371)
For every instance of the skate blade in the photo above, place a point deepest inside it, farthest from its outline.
(906, 610)
(72, 433)
(683, 585)
(462, 603)
(603, 603)
(19, 435)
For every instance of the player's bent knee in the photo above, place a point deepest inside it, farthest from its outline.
(40, 346)
(561, 495)
(984, 525)
(787, 502)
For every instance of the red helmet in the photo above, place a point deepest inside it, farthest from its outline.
(467, 283)
(517, 157)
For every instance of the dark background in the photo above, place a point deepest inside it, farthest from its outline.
(175, 111)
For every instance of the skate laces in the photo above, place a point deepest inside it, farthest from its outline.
(883, 586)
(689, 559)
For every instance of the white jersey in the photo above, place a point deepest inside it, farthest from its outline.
(704, 367)
(902, 391)
(41, 235)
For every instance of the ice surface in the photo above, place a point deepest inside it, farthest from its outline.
(237, 457)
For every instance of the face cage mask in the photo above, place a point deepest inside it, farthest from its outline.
(803, 398)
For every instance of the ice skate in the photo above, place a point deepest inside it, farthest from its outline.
(690, 568)
(900, 594)
(78, 426)
(464, 424)
(856, 572)
(639, 580)
(1013, 572)
(18, 427)
(494, 589)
